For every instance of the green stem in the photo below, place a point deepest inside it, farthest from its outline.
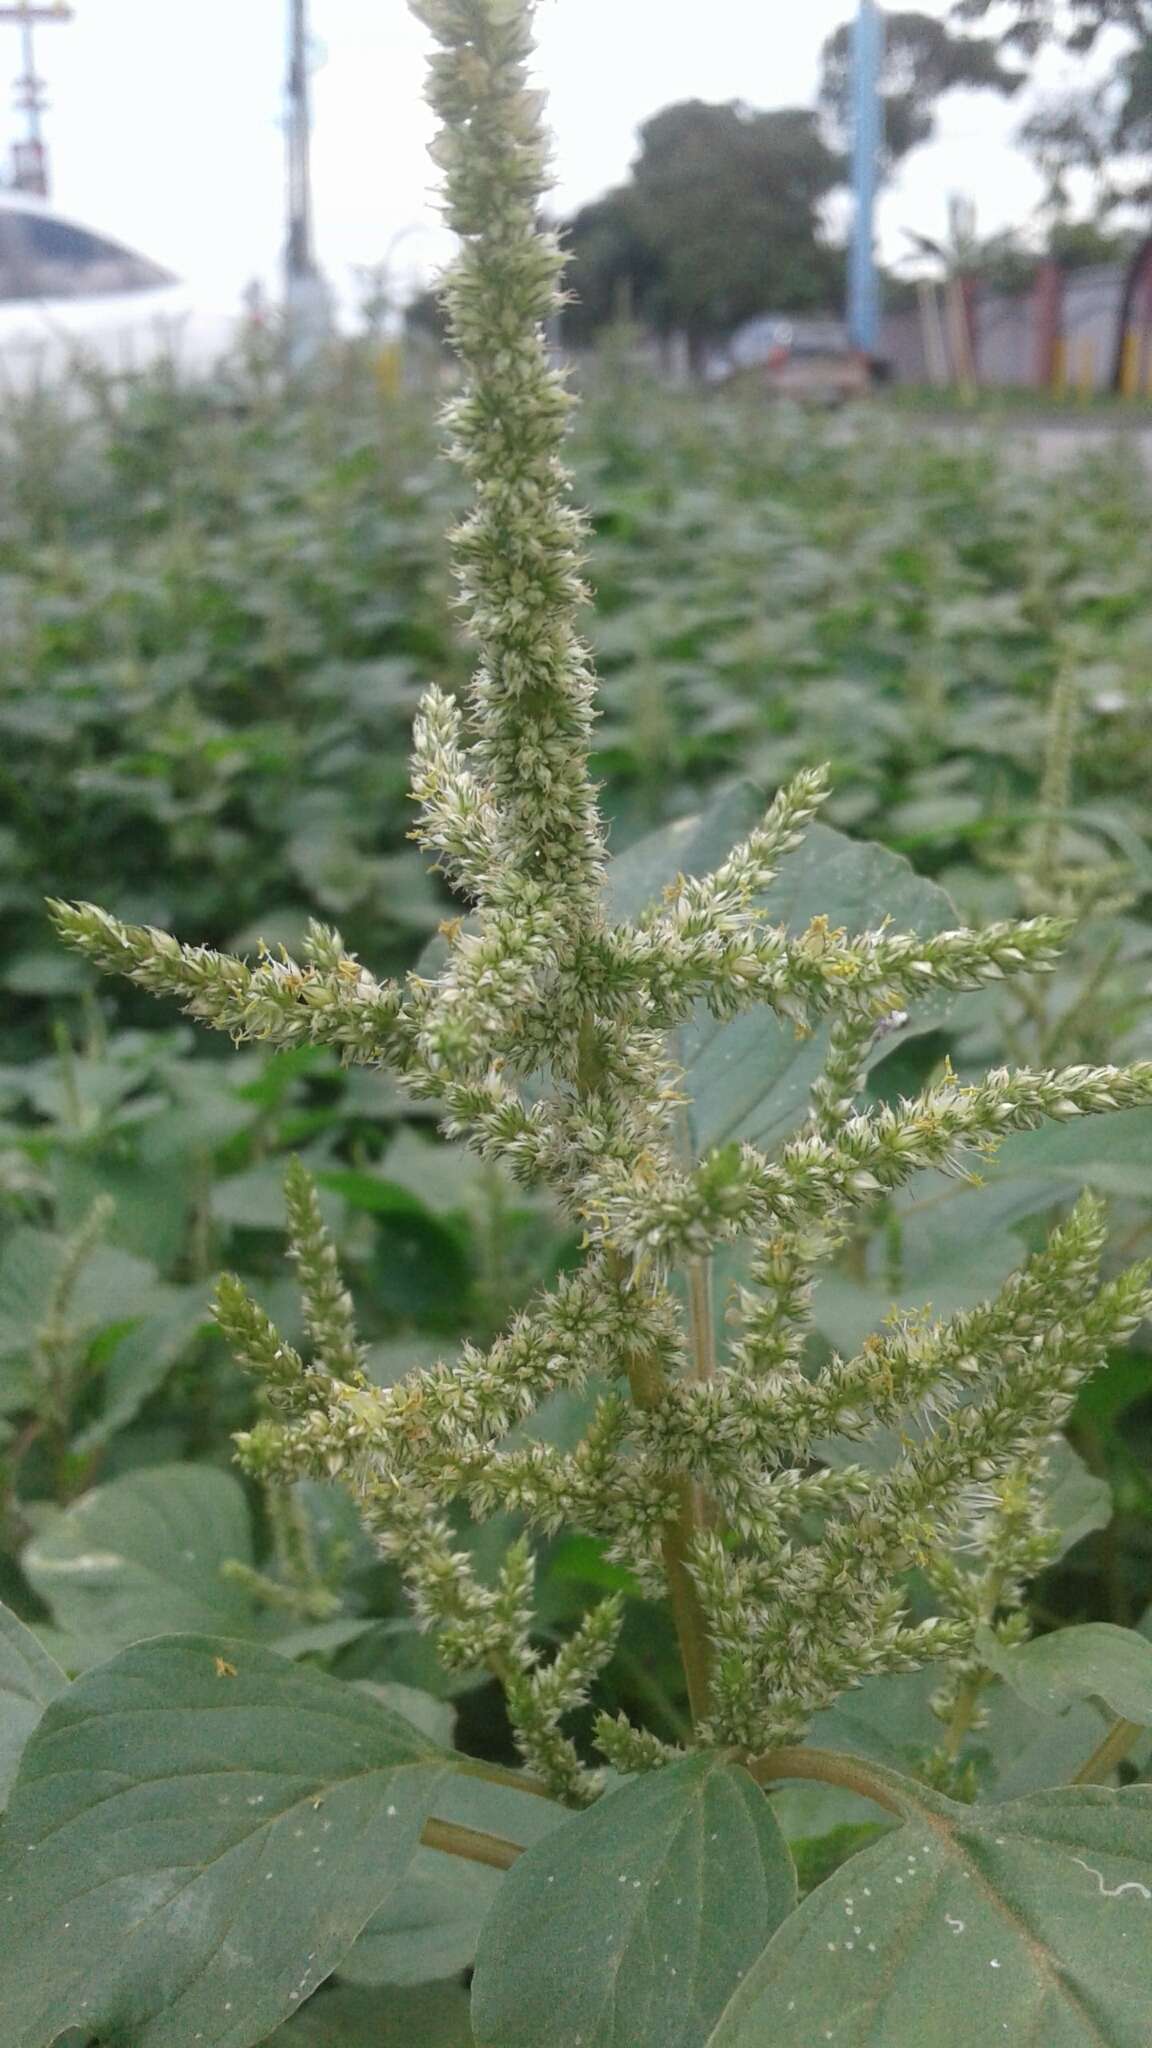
(964, 1711)
(646, 1381)
(678, 1540)
(688, 1615)
(700, 1319)
(885, 1788)
(702, 1345)
(1107, 1754)
(475, 1847)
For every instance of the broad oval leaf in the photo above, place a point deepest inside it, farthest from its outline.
(1028, 1922)
(29, 1682)
(144, 1556)
(1097, 1661)
(197, 1834)
(634, 1922)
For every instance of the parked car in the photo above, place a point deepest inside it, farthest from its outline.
(819, 372)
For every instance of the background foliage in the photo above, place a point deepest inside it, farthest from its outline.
(219, 606)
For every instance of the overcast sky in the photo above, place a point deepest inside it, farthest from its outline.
(165, 120)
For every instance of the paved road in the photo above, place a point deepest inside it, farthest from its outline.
(1053, 444)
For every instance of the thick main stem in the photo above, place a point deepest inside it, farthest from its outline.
(646, 1381)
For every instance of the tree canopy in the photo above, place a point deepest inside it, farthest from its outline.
(922, 60)
(722, 217)
(1103, 126)
(721, 220)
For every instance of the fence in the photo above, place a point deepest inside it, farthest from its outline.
(1065, 333)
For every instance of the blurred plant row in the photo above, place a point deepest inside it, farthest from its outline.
(219, 607)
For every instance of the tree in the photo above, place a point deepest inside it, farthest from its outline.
(1027, 25)
(1104, 128)
(922, 61)
(729, 201)
(615, 269)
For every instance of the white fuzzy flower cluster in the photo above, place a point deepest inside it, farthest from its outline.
(703, 1476)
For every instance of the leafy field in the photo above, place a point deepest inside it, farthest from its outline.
(218, 611)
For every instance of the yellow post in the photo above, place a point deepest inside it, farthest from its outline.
(389, 370)
(1086, 370)
(1130, 363)
(1059, 367)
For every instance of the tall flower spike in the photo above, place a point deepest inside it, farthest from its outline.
(700, 1470)
(518, 551)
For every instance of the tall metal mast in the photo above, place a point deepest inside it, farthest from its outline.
(30, 155)
(306, 302)
(863, 282)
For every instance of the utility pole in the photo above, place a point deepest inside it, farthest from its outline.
(307, 307)
(863, 282)
(30, 156)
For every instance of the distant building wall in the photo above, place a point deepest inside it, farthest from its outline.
(1007, 334)
(1060, 332)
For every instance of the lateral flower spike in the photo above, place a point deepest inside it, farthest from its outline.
(546, 1039)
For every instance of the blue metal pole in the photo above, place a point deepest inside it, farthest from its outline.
(863, 283)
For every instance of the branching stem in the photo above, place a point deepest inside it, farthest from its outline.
(828, 1767)
(469, 1843)
(1098, 1768)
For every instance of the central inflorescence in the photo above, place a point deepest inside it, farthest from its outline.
(547, 1038)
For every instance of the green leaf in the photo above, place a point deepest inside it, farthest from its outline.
(1076, 1501)
(817, 1857)
(196, 1836)
(323, 1638)
(370, 1192)
(29, 1682)
(1112, 1153)
(142, 1359)
(1097, 1661)
(27, 1265)
(634, 1922)
(111, 1287)
(969, 1925)
(434, 1717)
(143, 1556)
(926, 1258)
(403, 1653)
(749, 1078)
(435, 2016)
(442, 1176)
(431, 1926)
(254, 1200)
(1034, 1170)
